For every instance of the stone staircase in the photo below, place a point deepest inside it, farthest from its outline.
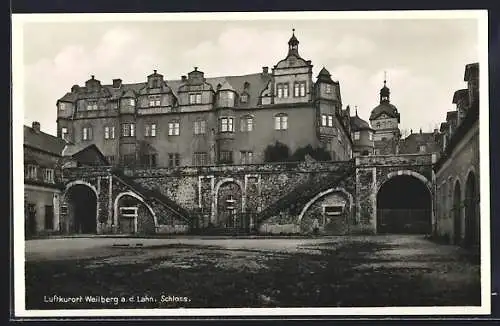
(295, 200)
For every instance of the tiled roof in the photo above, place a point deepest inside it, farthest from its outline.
(43, 141)
(358, 124)
(257, 83)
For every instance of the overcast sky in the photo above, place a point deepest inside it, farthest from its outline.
(424, 59)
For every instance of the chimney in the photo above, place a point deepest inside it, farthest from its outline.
(265, 70)
(117, 83)
(183, 78)
(36, 126)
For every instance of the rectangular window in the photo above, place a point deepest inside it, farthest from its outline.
(199, 127)
(128, 130)
(113, 105)
(110, 159)
(422, 148)
(91, 105)
(154, 100)
(328, 89)
(285, 90)
(226, 157)
(323, 120)
(356, 135)
(244, 98)
(302, 89)
(64, 133)
(299, 89)
(281, 122)
(31, 172)
(195, 98)
(200, 159)
(279, 90)
(370, 136)
(49, 217)
(62, 106)
(48, 175)
(87, 133)
(109, 132)
(150, 130)
(131, 102)
(226, 124)
(149, 160)
(174, 159)
(246, 157)
(330, 121)
(246, 124)
(173, 128)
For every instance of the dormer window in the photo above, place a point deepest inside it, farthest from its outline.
(195, 98)
(282, 90)
(244, 98)
(63, 106)
(356, 135)
(226, 99)
(92, 105)
(299, 89)
(154, 100)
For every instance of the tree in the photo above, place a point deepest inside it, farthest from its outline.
(319, 154)
(277, 152)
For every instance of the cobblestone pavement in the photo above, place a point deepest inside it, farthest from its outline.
(395, 270)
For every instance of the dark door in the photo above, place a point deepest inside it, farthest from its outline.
(31, 219)
(49, 217)
(127, 225)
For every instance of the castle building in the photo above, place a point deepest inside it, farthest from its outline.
(208, 121)
(385, 119)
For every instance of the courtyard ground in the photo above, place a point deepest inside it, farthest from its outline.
(361, 271)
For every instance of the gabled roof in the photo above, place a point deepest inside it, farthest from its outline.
(43, 141)
(76, 150)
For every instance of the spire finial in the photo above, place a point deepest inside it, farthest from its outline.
(385, 77)
(356, 108)
(293, 30)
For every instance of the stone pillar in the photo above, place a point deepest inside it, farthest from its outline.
(373, 198)
(110, 201)
(56, 204)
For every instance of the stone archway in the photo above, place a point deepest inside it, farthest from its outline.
(332, 208)
(127, 223)
(457, 213)
(472, 226)
(82, 208)
(229, 204)
(404, 204)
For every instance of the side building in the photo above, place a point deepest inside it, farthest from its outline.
(208, 121)
(457, 170)
(44, 157)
